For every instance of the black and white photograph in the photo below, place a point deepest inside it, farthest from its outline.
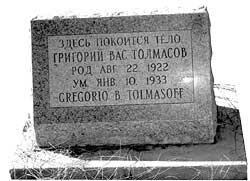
(125, 90)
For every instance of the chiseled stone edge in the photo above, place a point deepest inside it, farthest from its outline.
(214, 106)
(160, 10)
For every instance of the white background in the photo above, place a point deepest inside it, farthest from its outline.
(230, 43)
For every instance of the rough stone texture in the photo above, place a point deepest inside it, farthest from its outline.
(125, 124)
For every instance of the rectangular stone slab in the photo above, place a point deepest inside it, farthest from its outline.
(123, 80)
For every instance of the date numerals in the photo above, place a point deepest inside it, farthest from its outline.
(156, 79)
(132, 67)
(158, 67)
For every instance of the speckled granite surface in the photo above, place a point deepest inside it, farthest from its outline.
(125, 124)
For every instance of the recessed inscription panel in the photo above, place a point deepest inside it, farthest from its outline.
(120, 68)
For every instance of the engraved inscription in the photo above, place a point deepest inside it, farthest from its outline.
(120, 69)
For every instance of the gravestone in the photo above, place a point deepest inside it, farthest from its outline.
(123, 80)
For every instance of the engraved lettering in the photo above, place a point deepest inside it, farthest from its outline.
(121, 69)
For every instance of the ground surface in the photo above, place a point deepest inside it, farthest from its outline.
(225, 159)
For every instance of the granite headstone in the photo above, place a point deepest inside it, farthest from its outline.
(123, 80)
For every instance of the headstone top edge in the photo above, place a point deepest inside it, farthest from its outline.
(118, 14)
